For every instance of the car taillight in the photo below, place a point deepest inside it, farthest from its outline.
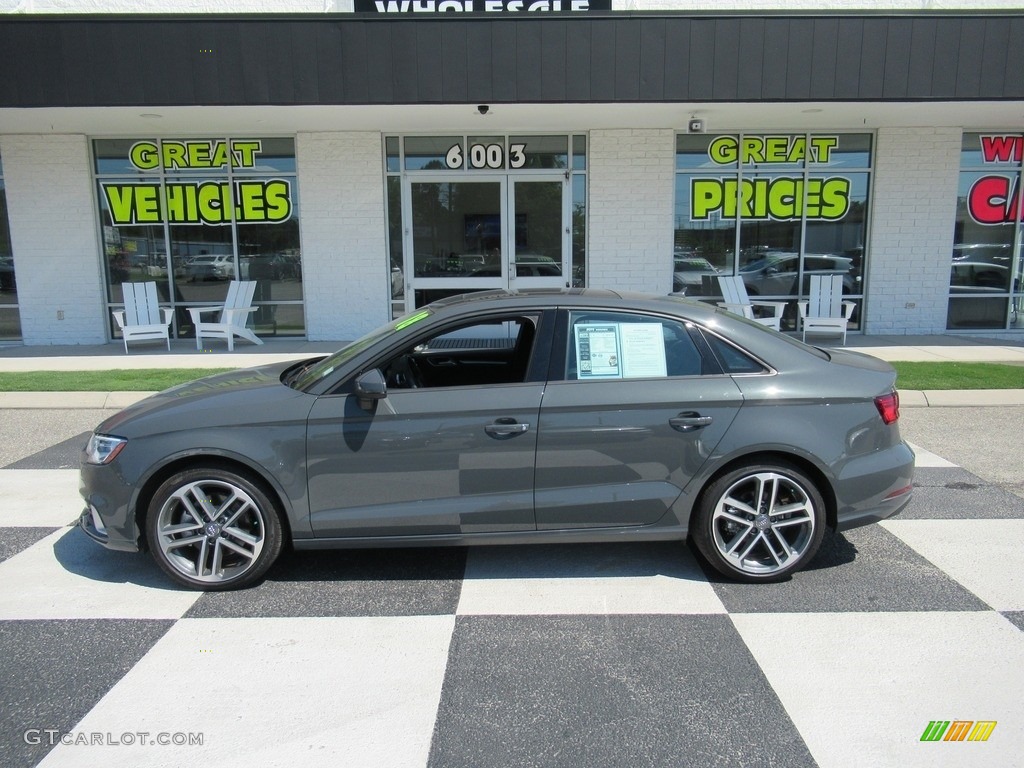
(888, 406)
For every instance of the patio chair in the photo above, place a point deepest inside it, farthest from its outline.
(142, 319)
(234, 314)
(736, 300)
(826, 312)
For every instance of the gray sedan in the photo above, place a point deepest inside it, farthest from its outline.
(505, 418)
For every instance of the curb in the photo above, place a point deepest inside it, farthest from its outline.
(71, 400)
(909, 398)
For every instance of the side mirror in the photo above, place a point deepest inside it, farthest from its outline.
(370, 387)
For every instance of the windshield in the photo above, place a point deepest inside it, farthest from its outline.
(307, 376)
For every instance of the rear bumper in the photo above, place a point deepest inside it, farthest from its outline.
(875, 487)
(882, 512)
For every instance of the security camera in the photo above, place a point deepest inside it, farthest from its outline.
(696, 125)
(483, 109)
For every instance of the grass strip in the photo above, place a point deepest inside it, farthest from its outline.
(959, 376)
(118, 380)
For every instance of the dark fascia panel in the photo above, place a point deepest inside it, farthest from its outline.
(629, 58)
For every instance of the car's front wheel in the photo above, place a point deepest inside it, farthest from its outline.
(760, 522)
(212, 528)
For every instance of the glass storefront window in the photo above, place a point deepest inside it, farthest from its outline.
(198, 213)
(987, 262)
(10, 318)
(396, 279)
(579, 153)
(431, 153)
(773, 209)
(542, 151)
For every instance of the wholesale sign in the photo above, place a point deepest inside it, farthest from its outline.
(775, 197)
(432, 7)
(201, 201)
(996, 199)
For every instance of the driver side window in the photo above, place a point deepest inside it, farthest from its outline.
(492, 351)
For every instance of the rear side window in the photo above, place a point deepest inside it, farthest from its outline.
(620, 345)
(731, 358)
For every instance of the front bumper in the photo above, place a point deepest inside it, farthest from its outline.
(92, 526)
(107, 517)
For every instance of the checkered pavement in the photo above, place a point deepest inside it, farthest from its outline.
(604, 655)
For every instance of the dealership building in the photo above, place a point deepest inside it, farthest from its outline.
(359, 159)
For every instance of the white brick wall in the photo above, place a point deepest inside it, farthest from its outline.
(632, 200)
(344, 256)
(53, 235)
(913, 212)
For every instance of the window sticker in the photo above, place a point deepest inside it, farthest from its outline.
(597, 351)
(620, 350)
(643, 350)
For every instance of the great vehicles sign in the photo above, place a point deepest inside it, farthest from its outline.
(180, 200)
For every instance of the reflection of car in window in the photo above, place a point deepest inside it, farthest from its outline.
(775, 274)
(971, 276)
(688, 273)
(531, 265)
(980, 267)
(527, 265)
(211, 267)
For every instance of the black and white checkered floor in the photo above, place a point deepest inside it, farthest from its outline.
(612, 655)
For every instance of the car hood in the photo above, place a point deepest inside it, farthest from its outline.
(245, 395)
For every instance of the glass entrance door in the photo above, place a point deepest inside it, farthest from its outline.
(455, 237)
(539, 237)
(484, 233)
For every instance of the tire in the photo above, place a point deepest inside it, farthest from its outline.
(760, 522)
(213, 529)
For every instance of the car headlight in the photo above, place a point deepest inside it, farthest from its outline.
(103, 449)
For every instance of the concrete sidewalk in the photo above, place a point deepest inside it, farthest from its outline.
(183, 354)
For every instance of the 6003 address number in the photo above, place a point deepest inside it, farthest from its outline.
(491, 156)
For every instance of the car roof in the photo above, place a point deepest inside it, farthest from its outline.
(502, 299)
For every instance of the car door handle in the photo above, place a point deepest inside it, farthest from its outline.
(688, 422)
(502, 429)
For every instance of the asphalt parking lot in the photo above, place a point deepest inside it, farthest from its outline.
(590, 655)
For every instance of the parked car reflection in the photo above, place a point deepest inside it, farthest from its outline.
(688, 273)
(776, 273)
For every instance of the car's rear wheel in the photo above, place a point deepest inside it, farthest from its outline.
(760, 522)
(212, 528)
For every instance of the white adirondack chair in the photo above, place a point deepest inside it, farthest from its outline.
(234, 314)
(736, 300)
(142, 319)
(826, 312)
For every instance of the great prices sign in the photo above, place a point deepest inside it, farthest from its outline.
(187, 201)
(995, 199)
(770, 197)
